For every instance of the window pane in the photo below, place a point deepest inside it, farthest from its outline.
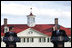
(1, 39)
(44, 39)
(27, 39)
(48, 40)
(24, 39)
(70, 40)
(20, 38)
(39, 39)
(32, 40)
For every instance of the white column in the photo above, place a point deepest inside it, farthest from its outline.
(46, 39)
(49, 39)
(36, 40)
(2, 38)
(22, 40)
(25, 39)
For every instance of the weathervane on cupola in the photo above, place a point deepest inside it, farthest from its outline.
(31, 19)
(31, 12)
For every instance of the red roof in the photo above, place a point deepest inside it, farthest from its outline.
(31, 14)
(43, 28)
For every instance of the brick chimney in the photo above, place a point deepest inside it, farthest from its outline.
(5, 21)
(56, 21)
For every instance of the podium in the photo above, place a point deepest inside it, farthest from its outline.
(60, 41)
(10, 39)
(11, 45)
(59, 37)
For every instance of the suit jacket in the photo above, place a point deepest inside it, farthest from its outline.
(62, 33)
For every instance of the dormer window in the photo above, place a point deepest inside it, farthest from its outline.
(6, 29)
(30, 32)
(11, 28)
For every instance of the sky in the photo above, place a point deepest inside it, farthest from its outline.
(45, 11)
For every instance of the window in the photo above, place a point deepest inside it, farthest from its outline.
(24, 39)
(28, 20)
(10, 28)
(1, 39)
(34, 19)
(39, 39)
(42, 39)
(32, 40)
(5, 30)
(70, 40)
(20, 39)
(28, 39)
(47, 39)
(30, 32)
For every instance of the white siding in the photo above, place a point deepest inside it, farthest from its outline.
(25, 33)
(36, 44)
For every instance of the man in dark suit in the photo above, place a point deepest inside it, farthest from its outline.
(59, 37)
